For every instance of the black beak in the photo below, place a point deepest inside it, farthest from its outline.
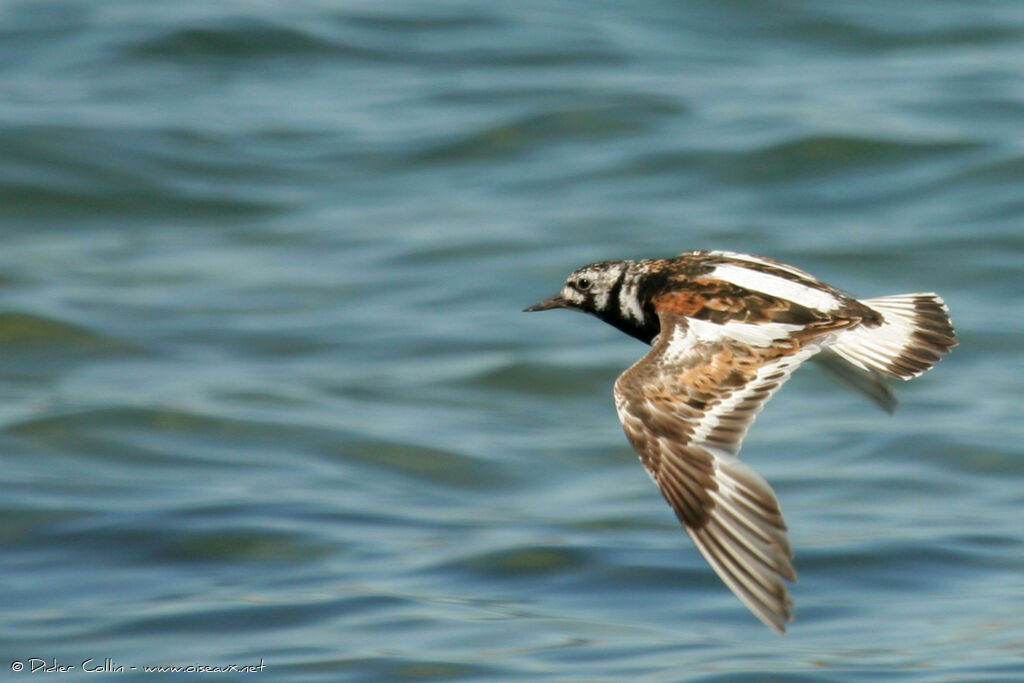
(553, 302)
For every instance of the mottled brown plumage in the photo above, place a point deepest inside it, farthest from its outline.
(727, 330)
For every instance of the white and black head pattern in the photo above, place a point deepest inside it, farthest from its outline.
(609, 290)
(728, 330)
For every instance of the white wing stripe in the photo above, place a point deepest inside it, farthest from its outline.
(770, 373)
(777, 265)
(772, 285)
(755, 334)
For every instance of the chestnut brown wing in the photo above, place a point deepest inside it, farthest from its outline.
(686, 407)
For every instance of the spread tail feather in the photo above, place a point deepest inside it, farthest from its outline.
(914, 334)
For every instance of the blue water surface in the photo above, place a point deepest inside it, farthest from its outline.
(267, 394)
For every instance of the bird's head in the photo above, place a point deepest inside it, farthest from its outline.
(609, 290)
(590, 289)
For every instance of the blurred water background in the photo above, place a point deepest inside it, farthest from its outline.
(266, 392)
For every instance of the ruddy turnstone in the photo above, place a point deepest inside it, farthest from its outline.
(726, 331)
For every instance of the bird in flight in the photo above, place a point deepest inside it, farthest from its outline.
(726, 331)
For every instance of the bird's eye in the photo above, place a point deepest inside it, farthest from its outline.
(583, 284)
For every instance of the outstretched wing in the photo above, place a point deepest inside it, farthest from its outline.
(686, 407)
